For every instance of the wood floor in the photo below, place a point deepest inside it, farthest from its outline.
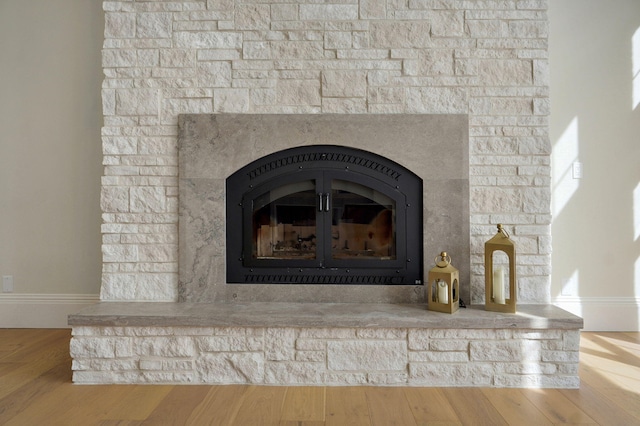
(36, 389)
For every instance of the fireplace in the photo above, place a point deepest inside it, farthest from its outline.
(324, 214)
(357, 204)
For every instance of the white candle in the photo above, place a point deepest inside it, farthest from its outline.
(498, 285)
(443, 292)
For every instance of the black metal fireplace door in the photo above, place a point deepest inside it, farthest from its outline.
(324, 214)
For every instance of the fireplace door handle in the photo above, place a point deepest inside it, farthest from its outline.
(324, 202)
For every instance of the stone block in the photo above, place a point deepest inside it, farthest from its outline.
(231, 100)
(119, 253)
(119, 25)
(137, 101)
(214, 74)
(280, 344)
(505, 72)
(154, 25)
(436, 62)
(387, 379)
(345, 84)
(114, 199)
(506, 350)
(284, 12)
(447, 23)
(148, 199)
(229, 344)
(437, 100)
(298, 92)
(181, 346)
(373, 9)
(351, 379)
(294, 372)
(252, 16)
(328, 12)
(208, 40)
(434, 374)
(400, 34)
(344, 106)
(337, 40)
(100, 347)
(366, 355)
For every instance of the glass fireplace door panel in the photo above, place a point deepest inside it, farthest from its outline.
(284, 222)
(363, 223)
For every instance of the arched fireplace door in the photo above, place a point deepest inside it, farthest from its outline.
(324, 214)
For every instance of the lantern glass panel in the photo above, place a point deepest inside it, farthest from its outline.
(440, 291)
(501, 276)
(455, 291)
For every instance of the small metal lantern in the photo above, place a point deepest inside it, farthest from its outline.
(500, 296)
(443, 286)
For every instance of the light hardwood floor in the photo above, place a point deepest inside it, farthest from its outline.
(36, 389)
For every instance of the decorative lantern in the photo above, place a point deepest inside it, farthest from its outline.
(443, 286)
(500, 273)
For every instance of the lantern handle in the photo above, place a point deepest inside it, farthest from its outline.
(502, 231)
(443, 260)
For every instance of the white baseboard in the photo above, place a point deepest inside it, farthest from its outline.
(41, 310)
(604, 313)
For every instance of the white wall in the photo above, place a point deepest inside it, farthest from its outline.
(596, 228)
(50, 155)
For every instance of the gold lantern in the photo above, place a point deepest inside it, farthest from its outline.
(443, 286)
(500, 273)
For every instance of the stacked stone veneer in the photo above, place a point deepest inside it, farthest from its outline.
(326, 356)
(487, 59)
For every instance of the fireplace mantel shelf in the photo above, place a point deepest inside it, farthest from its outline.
(159, 314)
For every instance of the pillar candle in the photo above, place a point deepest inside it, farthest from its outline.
(498, 285)
(443, 292)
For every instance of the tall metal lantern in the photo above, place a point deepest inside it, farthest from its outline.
(443, 286)
(500, 273)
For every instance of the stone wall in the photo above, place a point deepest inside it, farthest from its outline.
(327, 356)
(487, 59)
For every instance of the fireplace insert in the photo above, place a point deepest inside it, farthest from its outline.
(324, 214)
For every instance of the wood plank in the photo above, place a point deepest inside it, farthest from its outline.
(137, 402)
(429, 406)
(36, 363)
(515, 408)
(600, 409)
(556, 407)
(33, 343)
(472, 407)
(32, 392)
(347, 406)
(178, 405)
(389, 406)
(304, 403)
(261, 405)
(219, 406)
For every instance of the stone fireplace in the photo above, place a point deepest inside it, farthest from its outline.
(168, 317)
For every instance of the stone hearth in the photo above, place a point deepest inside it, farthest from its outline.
(324, 344)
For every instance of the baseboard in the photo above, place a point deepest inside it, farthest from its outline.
(604, 313)
(41, 310)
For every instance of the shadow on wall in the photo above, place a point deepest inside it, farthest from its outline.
(595, 95)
